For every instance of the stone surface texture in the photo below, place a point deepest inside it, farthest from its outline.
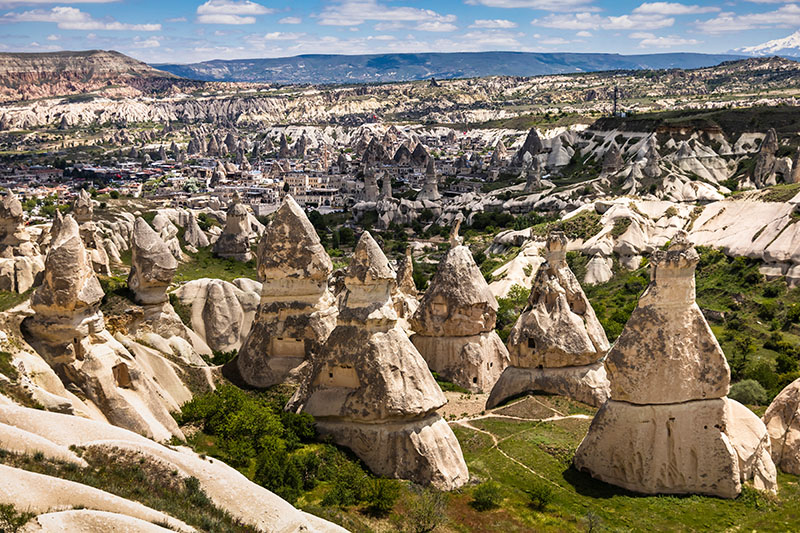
(370, 389)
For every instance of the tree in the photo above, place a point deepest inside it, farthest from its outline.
(426, 511)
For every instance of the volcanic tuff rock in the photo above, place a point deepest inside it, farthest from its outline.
(297, 312)
(455, 324)
(532, 146)
(668, 427)
(222, 312)
(21, 261)
(234, 242)
(783, 424)
(371, 390)
(152, 265)
(557, 330)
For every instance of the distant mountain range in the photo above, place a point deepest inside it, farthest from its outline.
(332, 69)
(788, 46)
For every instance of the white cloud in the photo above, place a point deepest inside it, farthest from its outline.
(152, 42)
(53, 37)
(16, 3)
(176, 19)
(667, 42)
(544, 5)
(787, 16)
(584, 33)
(230, 12)
(291, 20)
(553, 41)
(356, 12)
(282, 36)
(70, 18)
(493, 24)
(436, 26)
(673, 8)
(591, 21)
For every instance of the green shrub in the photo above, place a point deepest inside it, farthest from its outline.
(381, 496)
(540, 494)
(748, 392)
(486, 496)
(12, 520)
(347, 487)
(426, 511)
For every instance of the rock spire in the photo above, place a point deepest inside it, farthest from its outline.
(668, 427)
(234, 241)
(297, 312)
(371, 390)
(557, 344)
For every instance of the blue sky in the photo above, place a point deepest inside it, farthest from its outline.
(186, 31)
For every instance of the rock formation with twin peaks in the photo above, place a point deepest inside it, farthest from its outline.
(21, 261)
(557, 345)
(370, 389)
(455, 322)
(152, 265)
(669, 427)
(297, 312)
(234, 241)
(83, 212)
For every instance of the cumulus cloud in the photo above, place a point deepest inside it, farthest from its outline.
(648, 40)
(544, 5)
(493, 24)
(70, 18)
(234, 12)
(291, 20)
(356, 12)
(436, 26)
(787, 16)
(152, 42)
(16, 3)
(673, 8)
(591, 21)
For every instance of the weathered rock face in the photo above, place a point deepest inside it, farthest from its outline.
(370, 389)
(297, 312)
(82, 207)
(234, 242)
(83, 211)
(557, 329)
(766, 160)
(67, 304)
(783, 424)
(152, 265)
(20, 259)
(668, 322)
(532, 146)
(668, 427)
(430, 189)
(222, 312)
(455, 324)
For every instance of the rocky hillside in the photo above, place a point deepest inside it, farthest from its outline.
(30, 76)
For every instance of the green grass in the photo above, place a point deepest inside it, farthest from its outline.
(546, 449)
(142, 482)
(204, 264)
(780, 193)
(9, 299)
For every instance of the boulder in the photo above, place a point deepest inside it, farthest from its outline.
(234, 242)
(370, 389)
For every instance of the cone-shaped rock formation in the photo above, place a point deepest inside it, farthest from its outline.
(668, 427)
(297, 312)
(557, 344)
(20, 258)
(370, 389)
(152, 265)
(455, 324)
(783, 424)
(234, 241)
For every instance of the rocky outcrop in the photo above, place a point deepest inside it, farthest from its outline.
(766, 161)
(221, 312)
(783, 424)
(21, 261)
(83, 212)
(297, 312)
(455, 322)
(234, 242)
(557, 330)
(370, 389)
(67, 330)
(152, 265)
(668, 427)
(532, 147)
(430, 189)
